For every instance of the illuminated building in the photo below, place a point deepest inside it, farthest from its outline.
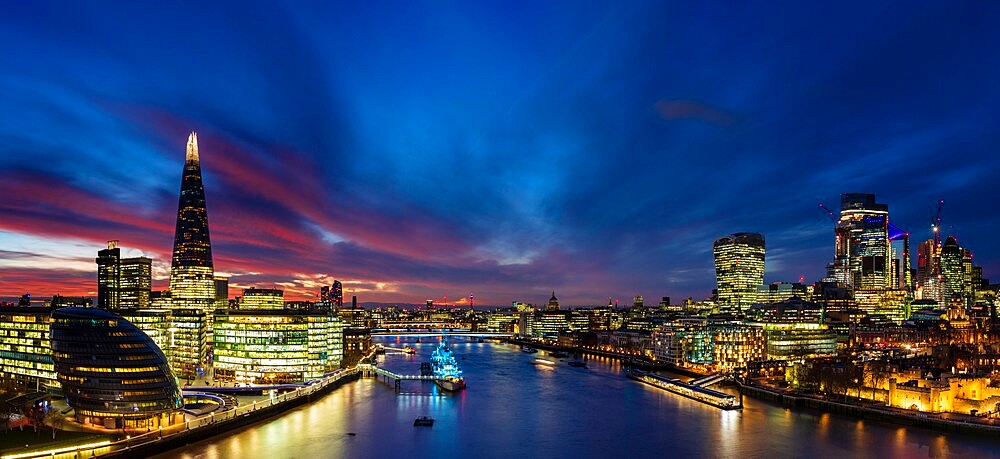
(549, 323)
(357, 344)
(112, 374)
(930, 281)
(863, 236)
(25, 354)
(714, 345)
(188, 341)
(739, 269)
(108, 276)
(276, 346)
(136, 282)
(122, 283)
(781, 291)
(333, 295)
(553, 304)
(795, 330)
(155, 323)
(262, 298)
(503, 322)
(221, 292)
(192, 279)
(956, 270)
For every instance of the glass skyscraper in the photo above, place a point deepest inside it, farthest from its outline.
(863, 235)
(192, 280)
(739, 270)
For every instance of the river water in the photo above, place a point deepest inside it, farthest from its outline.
(514, 408)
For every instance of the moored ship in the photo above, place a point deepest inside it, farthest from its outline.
(447, 374)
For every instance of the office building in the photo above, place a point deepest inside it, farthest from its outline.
(192, 279)
(739, 270)
(25, 351)
(276, 346)
(262, 298)
(863, 237)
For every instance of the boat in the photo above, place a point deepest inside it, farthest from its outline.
(558, 354)
(577, 363)
(447, 374)
(423, 421)
(705, 395)
(409, 350)
(528, 349)
(543, 362)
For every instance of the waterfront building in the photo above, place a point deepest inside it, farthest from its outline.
(189, 342)
(549, 323)
(112, 374)
(268, 346)
(59, 301)
(503, 322)
(782, 291)
(25, 353)
(192, 278)
(357, 344)
(863, 236)
(795, 330)
(739, 269)
(709, 344)
(262, 298)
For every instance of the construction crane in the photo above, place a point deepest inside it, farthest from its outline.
(828, 212)
(936, 224)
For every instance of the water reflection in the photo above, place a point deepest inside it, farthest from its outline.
(514, 408)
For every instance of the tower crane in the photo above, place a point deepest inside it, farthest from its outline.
(936, 224)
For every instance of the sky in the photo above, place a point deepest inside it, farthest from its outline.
(432, 150)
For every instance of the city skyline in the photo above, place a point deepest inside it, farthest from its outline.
(449, 180)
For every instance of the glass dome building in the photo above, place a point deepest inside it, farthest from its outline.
(111, 372)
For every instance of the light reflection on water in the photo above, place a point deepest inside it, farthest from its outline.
(514, 408)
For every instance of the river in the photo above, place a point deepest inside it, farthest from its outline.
(514, 408)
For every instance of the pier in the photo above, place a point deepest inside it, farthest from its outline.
(372, 371)
(694, 390)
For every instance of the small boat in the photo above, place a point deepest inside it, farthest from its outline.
(409, 350)
(528, 349)
(543, 362)
(577, 363)
(558, 354)
(423, 421)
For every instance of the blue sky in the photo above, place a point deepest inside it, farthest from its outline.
(423, 150)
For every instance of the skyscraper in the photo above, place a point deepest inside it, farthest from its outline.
(136, 282)
(332, 295)
(739, 269)
(122, 283)
(109, 276)
(863, 236)
(192, 280)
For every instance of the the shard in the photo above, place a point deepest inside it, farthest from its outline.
(191, 274)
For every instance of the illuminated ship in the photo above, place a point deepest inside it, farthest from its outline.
(446, 371)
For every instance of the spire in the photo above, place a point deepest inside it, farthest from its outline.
(192, 148)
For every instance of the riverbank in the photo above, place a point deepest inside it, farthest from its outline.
(628, 359)
(872, 412)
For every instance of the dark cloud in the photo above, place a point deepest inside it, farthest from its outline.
(422, 151)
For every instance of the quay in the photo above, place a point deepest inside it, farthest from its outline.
(694, 390)
(372, 371)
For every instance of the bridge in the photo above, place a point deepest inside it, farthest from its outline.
(709, 380)
(426, 333)
(372, 371)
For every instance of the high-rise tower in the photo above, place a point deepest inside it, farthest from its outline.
(863, 236)
(739, 269)
(192, 280)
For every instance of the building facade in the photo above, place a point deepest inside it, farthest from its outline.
(111, 372)
(739, 270)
